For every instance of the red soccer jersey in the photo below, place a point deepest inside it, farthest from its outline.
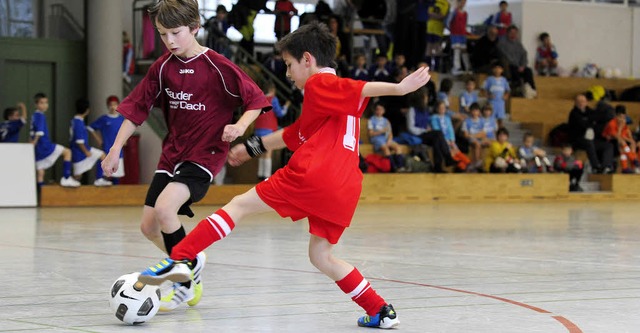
(322, 178)
(458, 25)
(267, 120)
(198, 97)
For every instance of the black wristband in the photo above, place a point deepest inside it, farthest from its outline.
(254, 146)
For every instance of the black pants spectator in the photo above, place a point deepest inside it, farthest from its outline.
(600, 153)
(526, 75)
(441, 152)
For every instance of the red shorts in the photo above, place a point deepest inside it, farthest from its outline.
(317, 226)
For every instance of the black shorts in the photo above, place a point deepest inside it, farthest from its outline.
(196, 179)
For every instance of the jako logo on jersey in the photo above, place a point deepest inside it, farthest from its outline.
(187, 71)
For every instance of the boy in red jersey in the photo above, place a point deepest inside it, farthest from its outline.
(321, 181)
(198, 91)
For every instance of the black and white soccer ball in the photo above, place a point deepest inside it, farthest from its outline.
(134, 302)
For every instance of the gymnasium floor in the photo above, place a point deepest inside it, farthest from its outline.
(537, 267)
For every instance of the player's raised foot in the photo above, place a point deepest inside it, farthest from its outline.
(167, 269)
(178, 294)
(196, 276)
(385, 318)
(69, 182)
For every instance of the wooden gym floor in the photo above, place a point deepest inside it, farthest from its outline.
(446, 267)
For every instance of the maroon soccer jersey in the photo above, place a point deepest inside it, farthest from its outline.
(198, 97)
(322, 178)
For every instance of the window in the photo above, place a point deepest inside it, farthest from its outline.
(17, 18)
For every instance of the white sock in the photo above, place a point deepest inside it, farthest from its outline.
(261, 167)
(465, 61)
(267, 168)
(456, 58)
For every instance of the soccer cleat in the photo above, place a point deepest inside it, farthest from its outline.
(102, 182)
(167, 269)
(69, 182)
(196, 279)
(178, 295)
(386, 318)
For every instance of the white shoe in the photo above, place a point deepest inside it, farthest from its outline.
(529, 92)
(102, 182)
(176, 296)
(69, 182)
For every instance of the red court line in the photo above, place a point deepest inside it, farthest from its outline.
(569, 325)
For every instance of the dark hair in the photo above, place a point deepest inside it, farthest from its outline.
(474, 106)
(9, 111)
(543, 36)
(527, 135)
(566, 145)
(175, 13)
(512, 27)
(621, 109)
(417, 100)
(314, 38)
(470, 79)
(446, 85)
(221, 8)
(487, 107)
(503, 3)
(495, 64)
(37, 97)
(502, 130)
(82, 104)
(267, 85)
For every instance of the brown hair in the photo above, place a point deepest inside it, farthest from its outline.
(175, 13)
(314, 38)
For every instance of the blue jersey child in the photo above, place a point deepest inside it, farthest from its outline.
(108, 126)
(84, 157)
(497, 89)
(13, 122)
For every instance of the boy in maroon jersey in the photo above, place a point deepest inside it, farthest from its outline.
(321, 181)
(198, 91)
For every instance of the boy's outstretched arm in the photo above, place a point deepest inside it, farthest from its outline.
(410, 83)
(239, 154)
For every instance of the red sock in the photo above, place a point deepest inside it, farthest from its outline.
(210, 230)
(361, 292)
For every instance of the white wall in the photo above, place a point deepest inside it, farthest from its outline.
(18, 178)
(635, 53)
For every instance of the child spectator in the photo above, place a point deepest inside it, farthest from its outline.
(619, 133)
(321, 182)
(380, 71)
(497, 89)
(267, 123)
(567, 163)
(360, 71)
(128, 61)
(84, 157)
(380, 133)
(437, 11)
(14, 119)
(441, 121)
(501, 156)
(46, 151)
(546, 56)
(468, 96)
(443, 94)
(399, 60)
(532, 158)
(284, 10)
(474, 132)
(502, 19)
(489, 122)
(217, 27)
(108, 125)
(457, 23)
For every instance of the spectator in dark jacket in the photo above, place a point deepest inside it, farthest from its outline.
(582, 136)
(485, 51)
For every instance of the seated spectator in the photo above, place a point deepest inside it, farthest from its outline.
(567, 163)
(485, 52)
(441, 121)
(546, 56)
(360, 71)
(473, 132)
(419, 125)
(399, 60)
(582, 136)
(380, 133)
(619, 134)
(380, 71)
(341, 46)
(13, 122)
(489, 122)
(501, 156)
(468, 96)
(532, 158)
(516, 58)
(217, 27)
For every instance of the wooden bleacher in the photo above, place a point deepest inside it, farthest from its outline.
(418, 188)
(569, 87)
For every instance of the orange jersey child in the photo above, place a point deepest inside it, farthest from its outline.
(617, 130)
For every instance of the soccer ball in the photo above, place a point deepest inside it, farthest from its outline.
(134, 302)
